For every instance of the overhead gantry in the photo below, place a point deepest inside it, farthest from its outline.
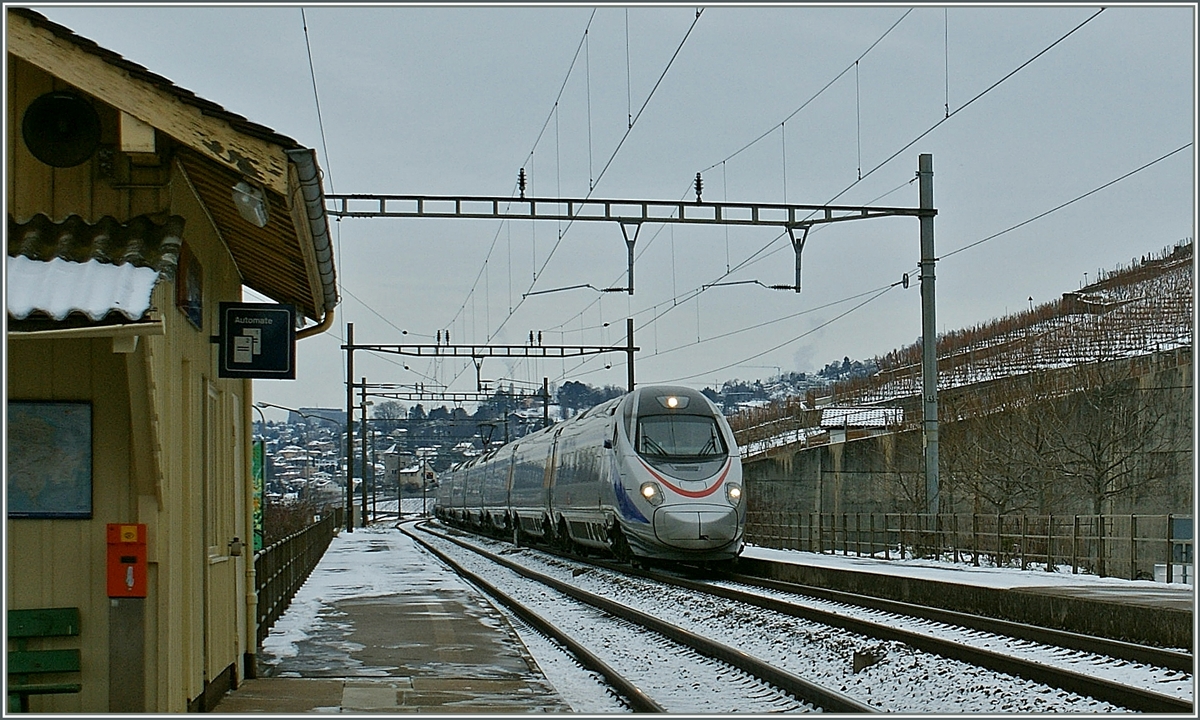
(797, 220)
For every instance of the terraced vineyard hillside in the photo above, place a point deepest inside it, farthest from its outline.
(1130, 311)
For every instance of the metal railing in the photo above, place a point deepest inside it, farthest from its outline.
(281, 568)
(1135, 547)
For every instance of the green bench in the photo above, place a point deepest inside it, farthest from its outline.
(40, 672)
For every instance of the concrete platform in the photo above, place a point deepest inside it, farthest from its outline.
(1134, 611)
(380, 627)
(453, 695)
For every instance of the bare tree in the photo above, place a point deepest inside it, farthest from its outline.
(390, 410)
(1105, 439)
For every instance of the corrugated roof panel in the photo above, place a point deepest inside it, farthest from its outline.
(860, 417)
(60, 287)
(57, 270)
(140, 242)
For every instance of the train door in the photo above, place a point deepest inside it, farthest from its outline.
(548, 479)
(507, 500)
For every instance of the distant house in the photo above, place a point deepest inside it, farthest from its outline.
(861, 417)
(134, 209)
(852, 423)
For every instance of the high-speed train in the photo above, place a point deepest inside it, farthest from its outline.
(653, 475)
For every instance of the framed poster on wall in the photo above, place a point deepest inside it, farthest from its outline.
(189, 284)
(49, 460)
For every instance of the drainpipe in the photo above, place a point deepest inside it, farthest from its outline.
(314, 202)
(324, 325)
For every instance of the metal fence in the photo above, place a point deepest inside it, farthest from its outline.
(1136, 547)
(281, 568)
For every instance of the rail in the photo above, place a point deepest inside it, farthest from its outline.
(1134, 547)
(281, 568)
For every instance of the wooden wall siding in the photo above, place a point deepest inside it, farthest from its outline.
(54, 563)
(34, 187)
(185, 359)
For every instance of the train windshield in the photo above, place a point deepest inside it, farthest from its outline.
(679, 437)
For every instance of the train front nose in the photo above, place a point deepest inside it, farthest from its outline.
(697, 526)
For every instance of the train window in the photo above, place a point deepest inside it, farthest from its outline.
(679, 436)
(628, 414)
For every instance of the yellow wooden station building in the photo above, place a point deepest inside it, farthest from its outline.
(135, 210)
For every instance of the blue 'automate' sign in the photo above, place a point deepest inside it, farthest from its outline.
(257, 341)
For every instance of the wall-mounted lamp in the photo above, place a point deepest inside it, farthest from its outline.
(251, 203)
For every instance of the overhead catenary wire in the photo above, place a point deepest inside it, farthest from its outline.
(942, 257)
(807, 102)
(781, 125)
(759, 254)
(528, 159)
(801, 336)
(946, 46)
(937, 124)
(968, 103)
(327, 176)
(678, 298)
(538, 272)
(552, 115)
(991, 87)
(634, 119)
(327, 172)
(1072, 201)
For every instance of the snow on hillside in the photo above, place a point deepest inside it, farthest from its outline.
(1144, 308)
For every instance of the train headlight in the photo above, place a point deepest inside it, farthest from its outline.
(652, 492)
(733, 492)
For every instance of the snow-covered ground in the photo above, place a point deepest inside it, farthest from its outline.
(347, 571)
(965, 573)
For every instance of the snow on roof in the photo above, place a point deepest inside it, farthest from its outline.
(95, 269)
(60, 287)
(861, 417)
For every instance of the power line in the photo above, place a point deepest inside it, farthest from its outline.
(964, 106)
(781, 124)
(944, 256)
(752, 258)
(919, 137)
(910, 144)
(551, 115)
(625, 136)
(806, 103)
(1093, 191)
(792, 340)
(327, 171)
(312, 73)
(563, 232)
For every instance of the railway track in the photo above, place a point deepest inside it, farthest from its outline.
(1146, 654)
(796, 600)
(735, 681)
(996, 646)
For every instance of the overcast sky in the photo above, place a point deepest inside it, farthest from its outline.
(772, 104)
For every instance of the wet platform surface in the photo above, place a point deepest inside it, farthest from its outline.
(382, 627)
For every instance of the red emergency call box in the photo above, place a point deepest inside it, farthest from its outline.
(126, 560)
